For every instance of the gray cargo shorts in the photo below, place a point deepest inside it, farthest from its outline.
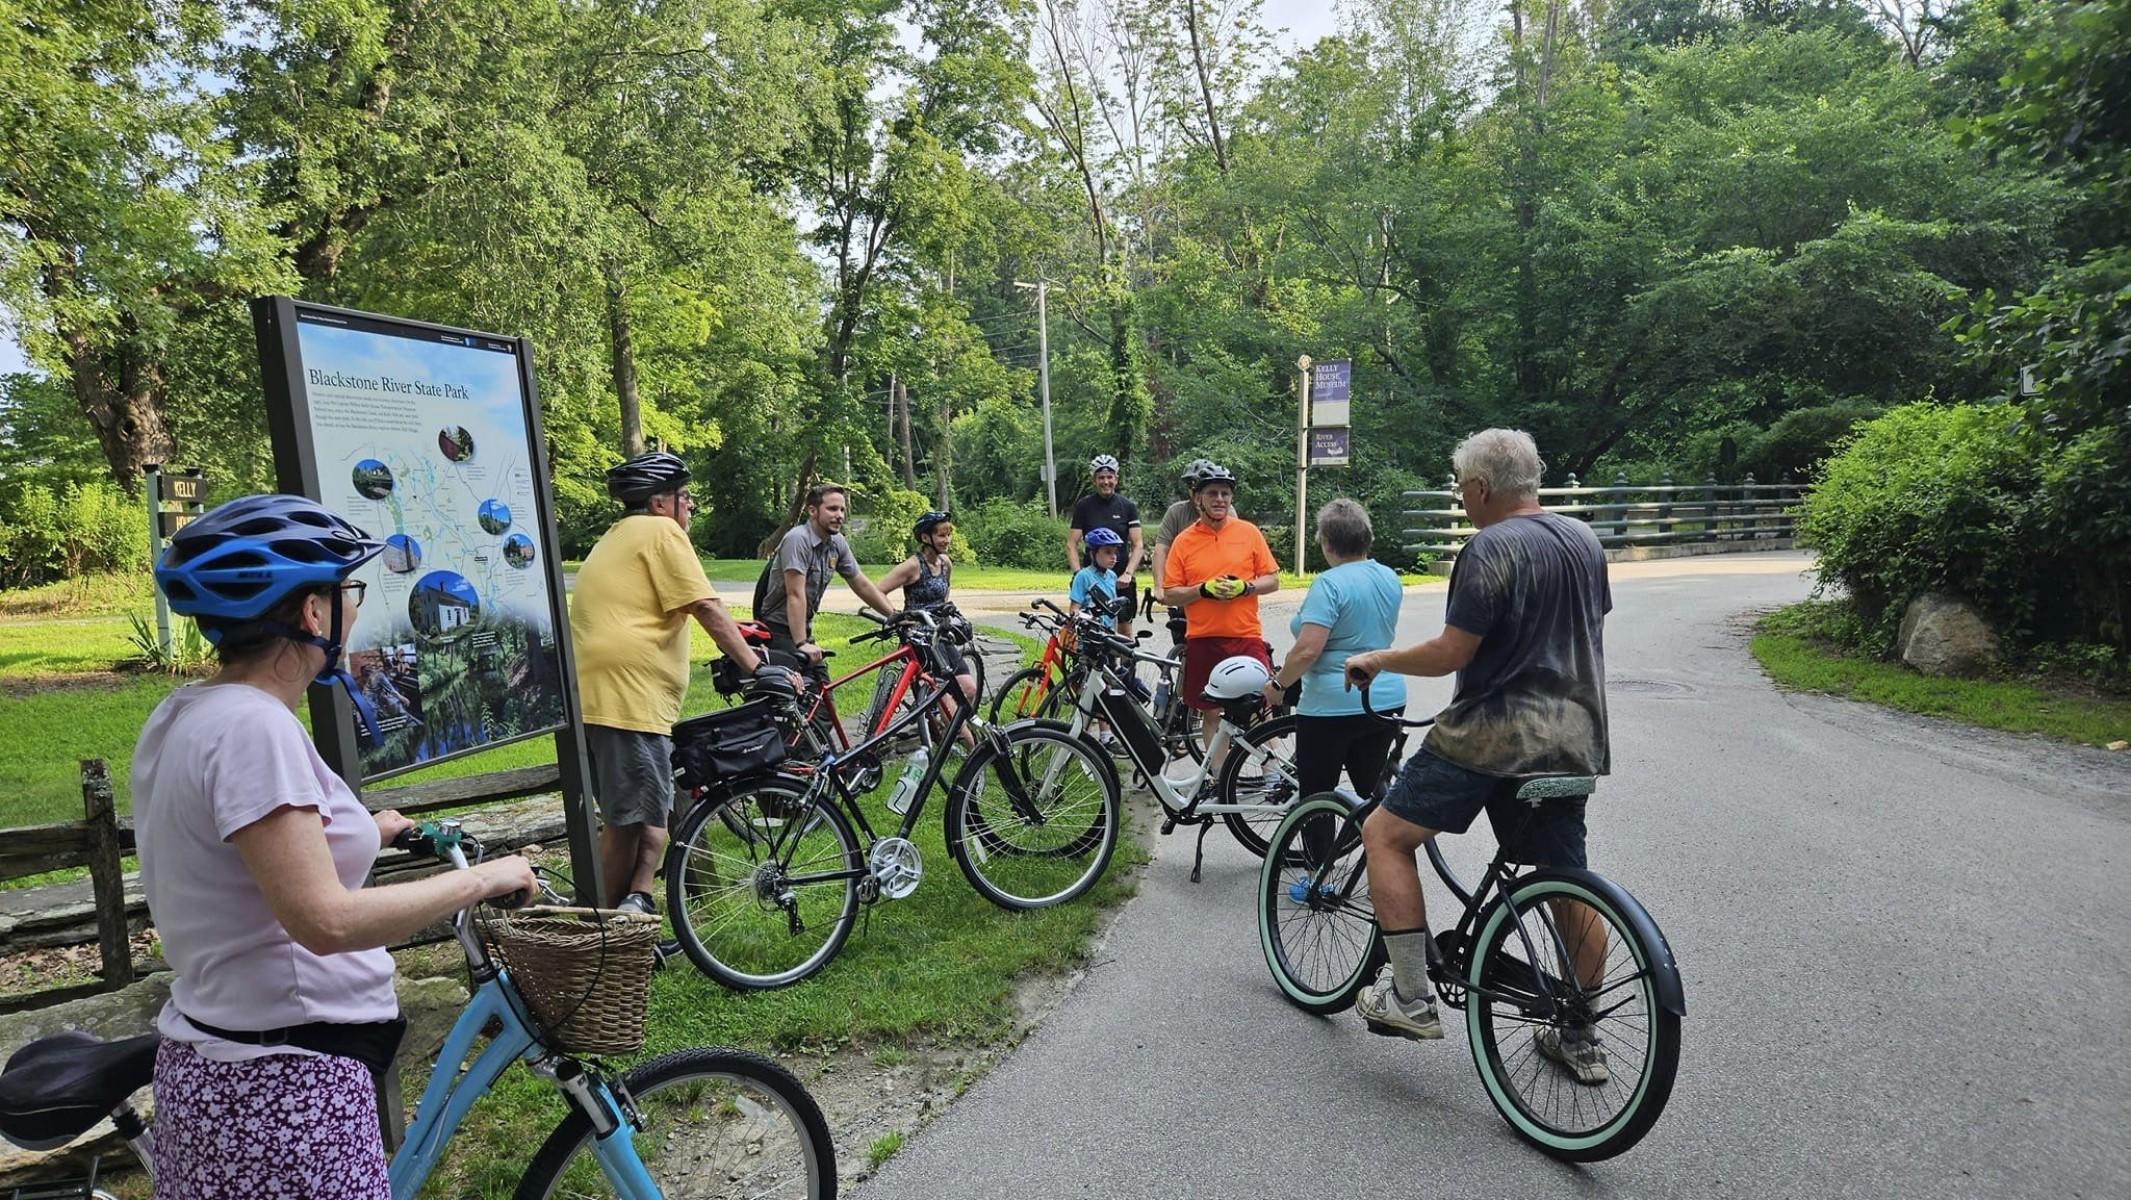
(632, 775)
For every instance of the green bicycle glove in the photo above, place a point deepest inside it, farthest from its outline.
(1227, 587)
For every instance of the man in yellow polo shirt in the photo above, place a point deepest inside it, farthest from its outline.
(1215, 571)
(629, 615)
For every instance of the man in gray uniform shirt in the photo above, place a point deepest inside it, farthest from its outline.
(799, 572)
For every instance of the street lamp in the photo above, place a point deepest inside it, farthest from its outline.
(1043, 383)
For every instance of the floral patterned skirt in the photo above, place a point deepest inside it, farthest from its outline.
(284, 1127)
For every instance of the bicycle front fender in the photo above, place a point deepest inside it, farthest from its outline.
(1664, 971)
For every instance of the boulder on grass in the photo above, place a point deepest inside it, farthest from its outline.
(1945, 635)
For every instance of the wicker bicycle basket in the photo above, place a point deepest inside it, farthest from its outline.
(585, 973)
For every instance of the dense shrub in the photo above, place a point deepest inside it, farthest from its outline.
(887, 517)
(1007, 534)
(82, 529)
(1931, 498)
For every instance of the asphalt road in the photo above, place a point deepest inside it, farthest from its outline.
(1904, 946)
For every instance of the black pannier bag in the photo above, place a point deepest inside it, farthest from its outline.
(726, 744)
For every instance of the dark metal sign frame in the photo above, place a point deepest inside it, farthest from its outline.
(275, 321)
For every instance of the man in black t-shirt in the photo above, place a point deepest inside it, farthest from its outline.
(1107, 508)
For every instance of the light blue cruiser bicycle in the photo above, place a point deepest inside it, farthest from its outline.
(700, 1123)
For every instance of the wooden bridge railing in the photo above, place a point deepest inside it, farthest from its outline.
(1625, 514)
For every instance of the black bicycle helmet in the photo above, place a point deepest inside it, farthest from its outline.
(1213, 473)
(931, 521)
(651, 474)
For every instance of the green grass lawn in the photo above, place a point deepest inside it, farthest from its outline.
(1789, 650)
(938, 967)
(51, 719)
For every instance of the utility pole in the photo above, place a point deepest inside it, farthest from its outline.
(1043, 384)
(1302, 457)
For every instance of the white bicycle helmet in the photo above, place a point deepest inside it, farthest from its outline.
(1237, 678)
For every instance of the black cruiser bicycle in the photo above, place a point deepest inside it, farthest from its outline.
(1535, 953)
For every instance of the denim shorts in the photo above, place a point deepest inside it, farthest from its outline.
(1441, 795)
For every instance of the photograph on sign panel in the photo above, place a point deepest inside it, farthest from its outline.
(386, 676)
(396, 420)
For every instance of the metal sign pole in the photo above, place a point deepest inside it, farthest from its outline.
(152, 485)
(1302, 457)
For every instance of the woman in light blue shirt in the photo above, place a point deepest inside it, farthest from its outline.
(1352, 606)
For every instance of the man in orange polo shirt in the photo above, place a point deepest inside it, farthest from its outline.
(1216, 570)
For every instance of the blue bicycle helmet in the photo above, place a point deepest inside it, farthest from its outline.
(1101, 536)
(237, 563)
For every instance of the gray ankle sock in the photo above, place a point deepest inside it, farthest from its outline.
(1409, 963)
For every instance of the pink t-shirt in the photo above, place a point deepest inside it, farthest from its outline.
(212, 759)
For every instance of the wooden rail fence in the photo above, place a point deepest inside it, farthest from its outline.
(113, 906)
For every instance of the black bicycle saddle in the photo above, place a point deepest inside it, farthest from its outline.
(56, 1088)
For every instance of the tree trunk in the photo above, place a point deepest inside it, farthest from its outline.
(945, 455)
(796, 511)
(1198, 61)
(900, 397)
(126, 412)
(622, 345)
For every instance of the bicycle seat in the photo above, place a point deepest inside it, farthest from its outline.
(56, 1088)
(1554, 787)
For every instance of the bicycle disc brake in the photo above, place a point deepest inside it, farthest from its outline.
(896, 865)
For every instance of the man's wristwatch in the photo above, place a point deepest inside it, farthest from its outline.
(1249, 586)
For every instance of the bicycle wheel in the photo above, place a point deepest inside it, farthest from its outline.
(1260, 769)
(748, 904)
(716, 1124)
(1055, 844)
(1527, 1017)
(1023, 694)
(1320, 939)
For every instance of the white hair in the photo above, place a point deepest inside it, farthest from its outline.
(1508, 459)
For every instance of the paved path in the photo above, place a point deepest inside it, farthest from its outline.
(1907, 950)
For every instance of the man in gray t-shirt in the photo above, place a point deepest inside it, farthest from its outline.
(797, 575)
(1524, 634)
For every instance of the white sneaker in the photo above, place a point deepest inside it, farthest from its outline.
(1385, 1013)
(1582, 1057)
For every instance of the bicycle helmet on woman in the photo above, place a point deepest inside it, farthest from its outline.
(1214, 473)
(635, 481)
(232, 567)
(930, 521)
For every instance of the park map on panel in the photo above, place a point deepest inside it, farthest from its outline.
(422, 440)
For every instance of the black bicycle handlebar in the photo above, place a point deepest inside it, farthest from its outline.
(1389, 718)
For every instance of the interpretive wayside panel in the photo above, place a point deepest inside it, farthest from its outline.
(423, 437)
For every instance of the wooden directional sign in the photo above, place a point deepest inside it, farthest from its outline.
(170, 522)
(190, 489)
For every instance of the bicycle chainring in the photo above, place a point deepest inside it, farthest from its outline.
(896, 866)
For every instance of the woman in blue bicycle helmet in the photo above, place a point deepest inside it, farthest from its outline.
(253, 856)
(925, 578)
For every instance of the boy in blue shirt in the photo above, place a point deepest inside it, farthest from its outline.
(1095, 585)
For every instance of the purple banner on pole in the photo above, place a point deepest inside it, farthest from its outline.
(1328, 447)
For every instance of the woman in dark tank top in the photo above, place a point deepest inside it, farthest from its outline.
(924, 578)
